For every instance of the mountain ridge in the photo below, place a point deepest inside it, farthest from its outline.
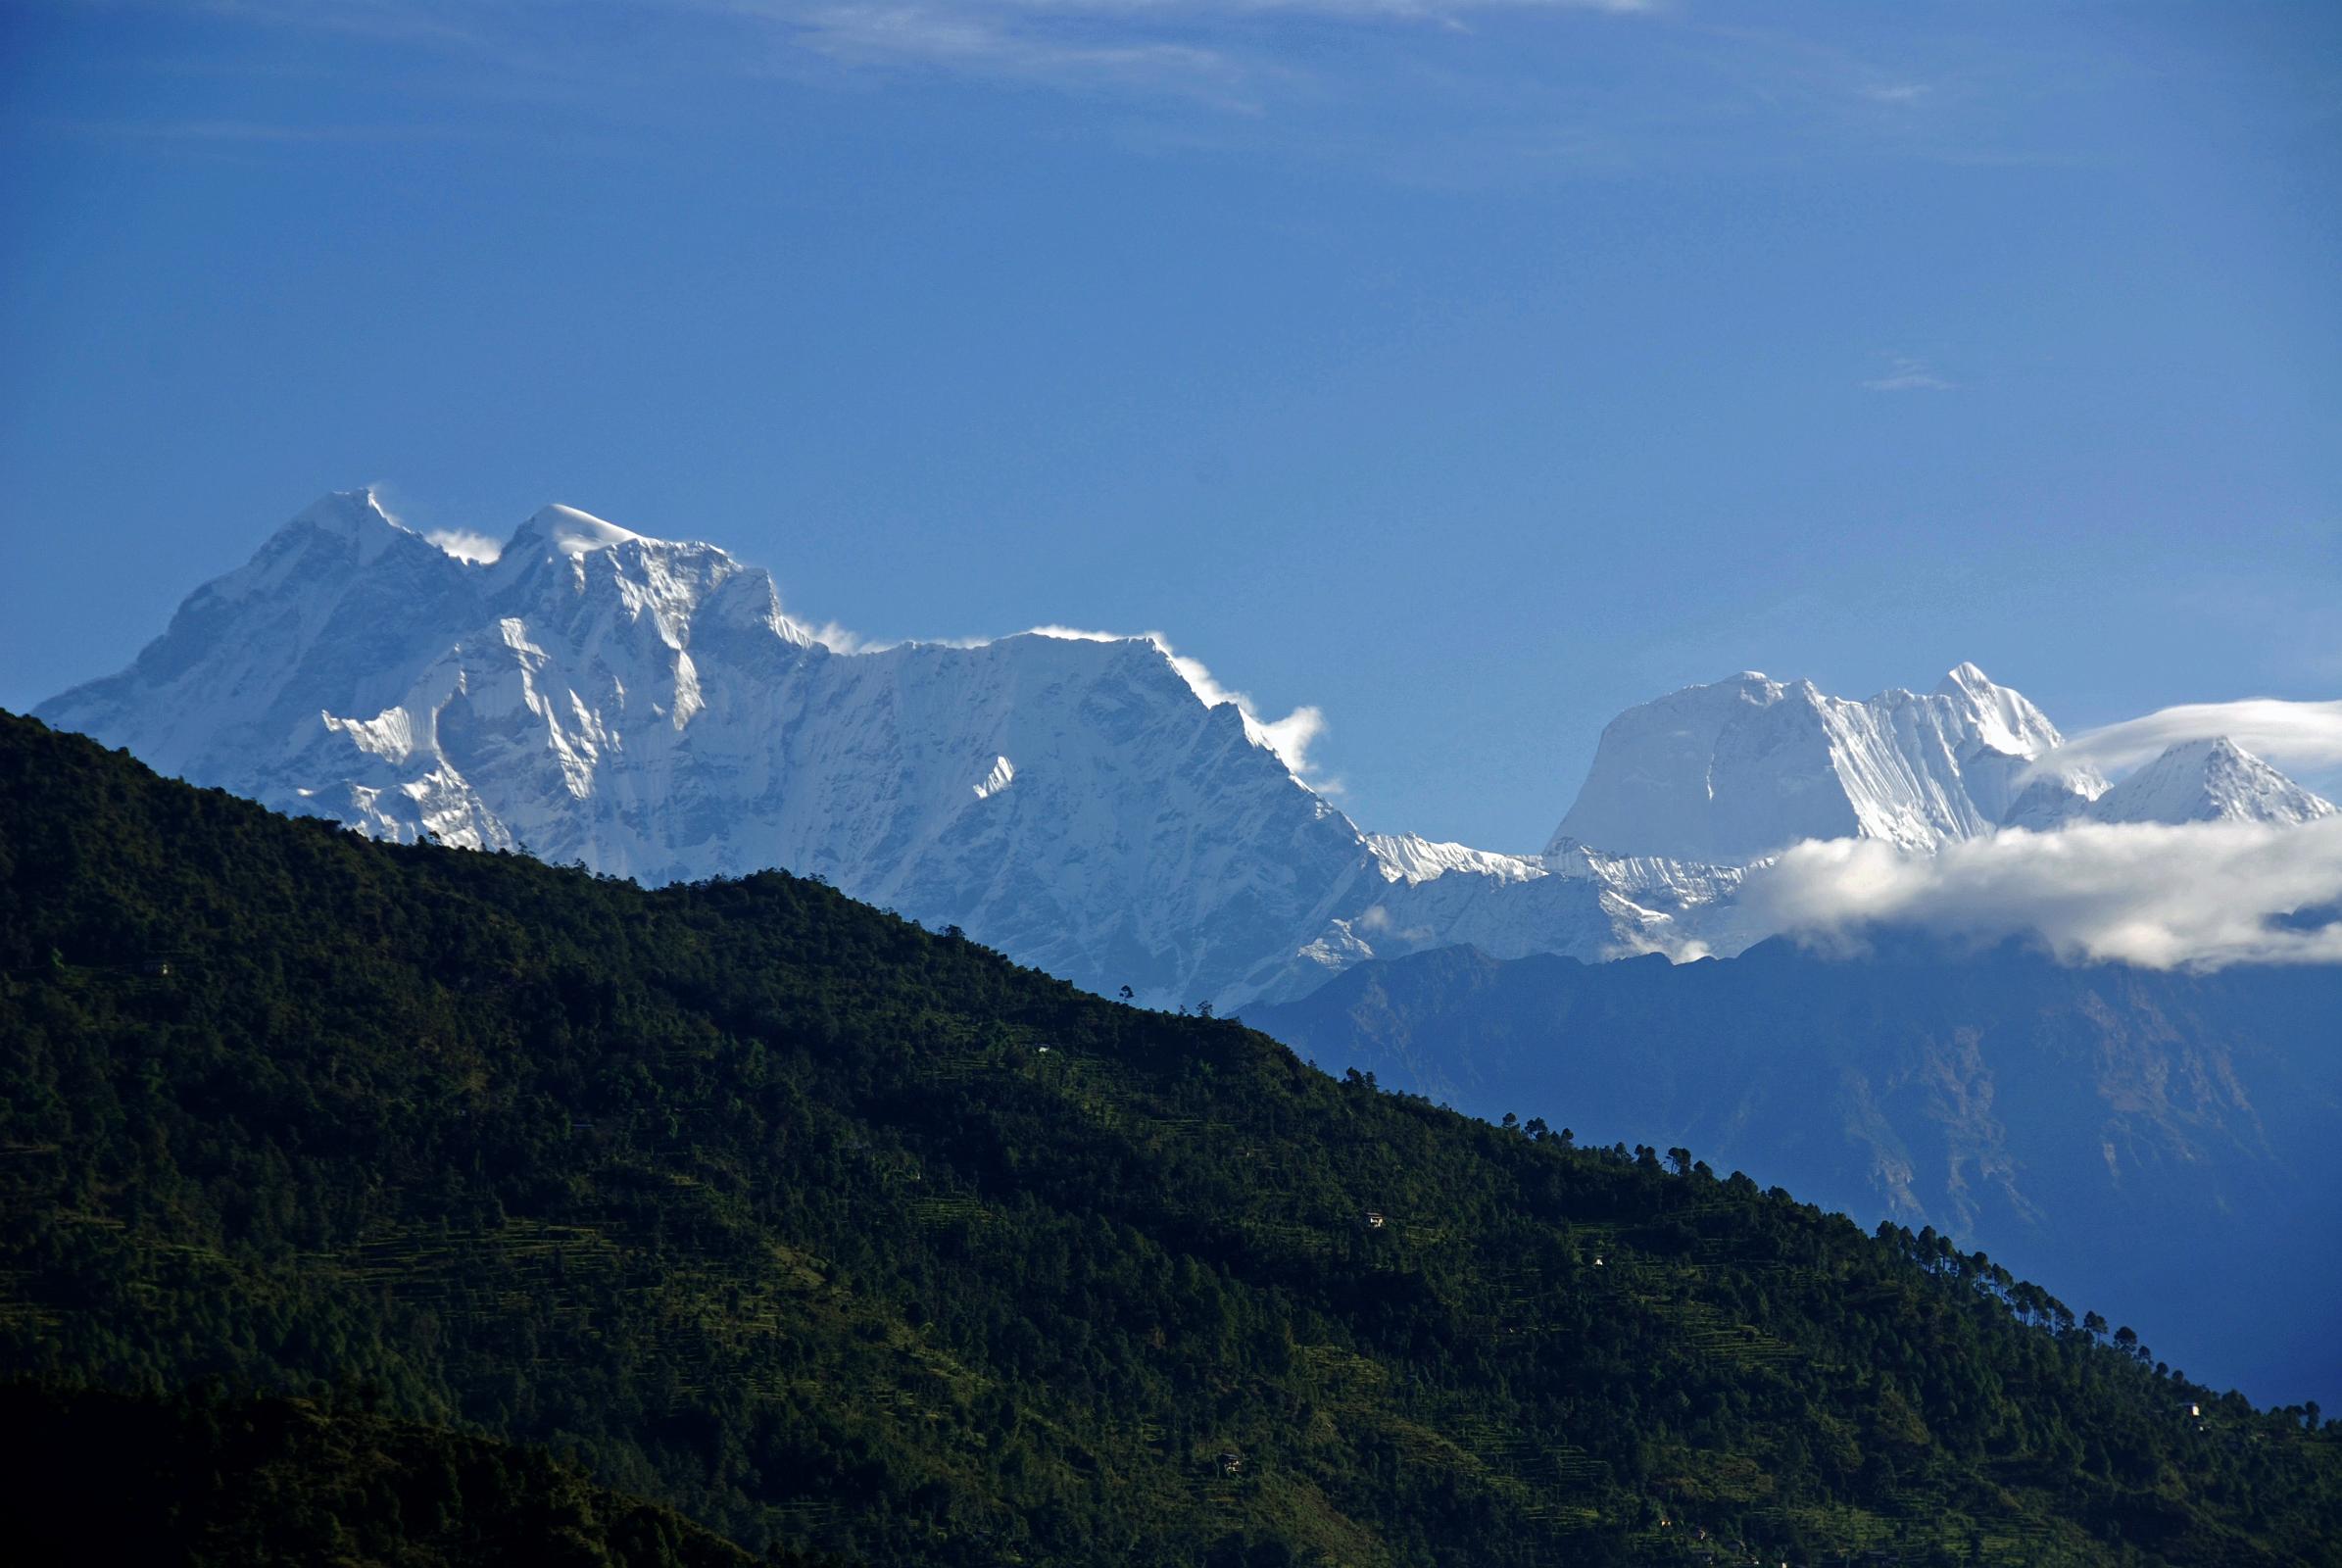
(1090, 804)
(651, 709)
(1726, 772)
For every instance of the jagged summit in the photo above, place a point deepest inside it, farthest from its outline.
(1730, 771)
(2210, 780)
(1966, 675)
(355, 519)
(570, 531)
(1091, 803)
(1733, 770)
(344, 509)
(645, 706)
(2004, 719)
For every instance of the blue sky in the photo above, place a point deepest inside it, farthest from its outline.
(1467, 371)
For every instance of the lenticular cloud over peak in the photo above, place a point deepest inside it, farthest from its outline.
(2290, 733)
(2192, 895)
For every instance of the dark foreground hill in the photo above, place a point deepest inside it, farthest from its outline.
(2156, 1143)
(834, 1234)
(113, 1478)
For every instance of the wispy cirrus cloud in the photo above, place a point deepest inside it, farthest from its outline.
(232, 133)
(1440, 92)
(1066, 51)
(1225, 52)
(1214, 49)
(1907, 374)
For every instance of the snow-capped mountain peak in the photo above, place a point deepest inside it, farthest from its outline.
(335, 535)
(1730, 771)
(2001, 719)
(2211, 780)
(1091, 804)
(569, 531)
(355, 515)
(645, 706)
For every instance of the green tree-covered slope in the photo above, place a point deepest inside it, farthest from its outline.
(112, 1478)
(2135, 1137)
(835, 1233)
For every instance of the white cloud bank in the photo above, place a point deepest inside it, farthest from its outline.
(2290, 734)
(2200, 895)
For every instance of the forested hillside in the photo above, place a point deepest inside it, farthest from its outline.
(113, 1477)
(835, 1233)
(2135, 1139)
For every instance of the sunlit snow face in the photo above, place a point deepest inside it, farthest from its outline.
(1289, 737)
(644, 705)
